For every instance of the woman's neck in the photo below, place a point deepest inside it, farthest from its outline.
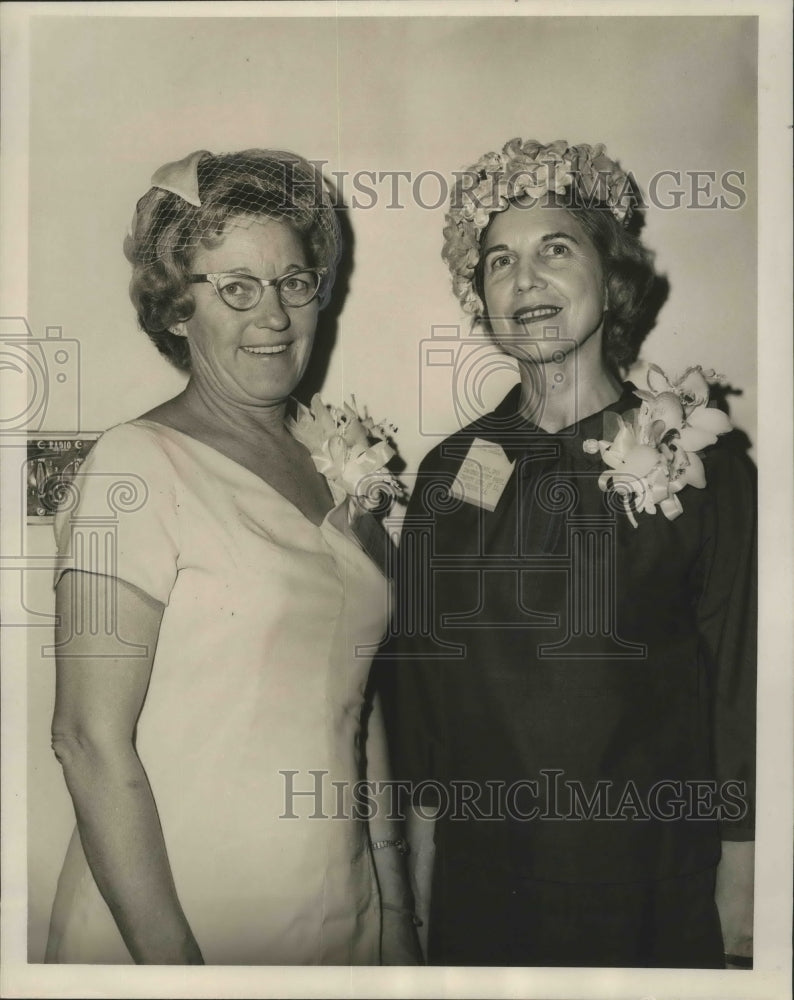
(203, 414)
(557, 395)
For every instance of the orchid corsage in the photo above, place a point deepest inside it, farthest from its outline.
(652, 454)
(350, 450)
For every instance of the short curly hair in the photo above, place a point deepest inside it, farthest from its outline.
(167, 230)
(586, 183)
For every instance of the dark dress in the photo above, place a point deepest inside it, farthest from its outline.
(577, 697)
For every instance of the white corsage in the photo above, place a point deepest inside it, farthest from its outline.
(652, 454)
(350, 450)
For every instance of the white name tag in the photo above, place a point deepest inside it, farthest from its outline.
(483, 474)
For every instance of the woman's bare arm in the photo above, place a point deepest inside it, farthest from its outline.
(399, 942)
(98, 700)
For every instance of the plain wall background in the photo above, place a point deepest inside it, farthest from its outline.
(114, 98)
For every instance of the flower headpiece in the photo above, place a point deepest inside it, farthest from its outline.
(350, 450)
(653, 453)
(525, 169)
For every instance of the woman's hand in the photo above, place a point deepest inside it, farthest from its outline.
(399, 943)
(734, 898)
(420, 830)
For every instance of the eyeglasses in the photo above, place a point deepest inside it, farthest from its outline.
(244, 291)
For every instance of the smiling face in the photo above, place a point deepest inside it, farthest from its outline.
(543, 283)
(258, 356)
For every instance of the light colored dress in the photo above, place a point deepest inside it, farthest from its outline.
(256, 690)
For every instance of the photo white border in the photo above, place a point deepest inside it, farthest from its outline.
(771, 977)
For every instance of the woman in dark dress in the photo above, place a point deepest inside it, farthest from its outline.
(570, 686)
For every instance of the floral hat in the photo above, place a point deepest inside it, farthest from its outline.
(525, 169)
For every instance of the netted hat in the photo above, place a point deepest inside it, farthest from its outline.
(194, 200)
(526, 169)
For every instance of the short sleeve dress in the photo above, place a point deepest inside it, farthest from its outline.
(254, 705)
(575, 694)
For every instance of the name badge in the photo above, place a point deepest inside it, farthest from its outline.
(483, 475)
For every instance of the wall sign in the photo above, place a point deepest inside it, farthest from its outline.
(52, 460)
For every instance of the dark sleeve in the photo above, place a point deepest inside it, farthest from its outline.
(407, 671)
(727, 620)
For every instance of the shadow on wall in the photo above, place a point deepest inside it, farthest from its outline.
(328, 323)
(736, 440)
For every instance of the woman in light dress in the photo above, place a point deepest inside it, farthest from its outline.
(216, 615)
